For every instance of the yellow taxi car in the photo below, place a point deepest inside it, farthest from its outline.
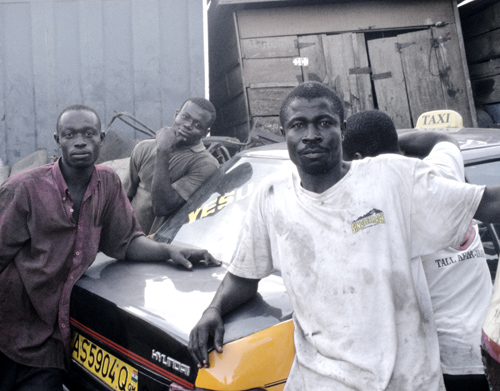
(131, 321)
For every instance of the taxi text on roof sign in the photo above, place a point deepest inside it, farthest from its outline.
(439, 119)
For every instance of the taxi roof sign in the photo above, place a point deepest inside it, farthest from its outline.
(439, 119)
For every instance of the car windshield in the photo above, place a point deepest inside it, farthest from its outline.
(213, 217)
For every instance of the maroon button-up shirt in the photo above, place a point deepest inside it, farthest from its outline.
(43, 252)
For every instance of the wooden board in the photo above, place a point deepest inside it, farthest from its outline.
(485, 69)
(270, 124)
(311, 48)
(264, 70)
(348, 71)
(389, 82)
(269, 47)
(234, 82)
(482, 22)
(453, 82)
(486, 90)
(343, 17)
(423, 84)
(234, 111)
(266, 101)
(483, 47)
(223, 51)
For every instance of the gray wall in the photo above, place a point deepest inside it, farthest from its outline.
(142, 56)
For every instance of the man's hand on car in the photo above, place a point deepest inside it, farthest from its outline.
(187, 257)
(209, 325)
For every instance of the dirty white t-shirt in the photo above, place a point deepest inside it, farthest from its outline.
(345, 259)
(459, 283)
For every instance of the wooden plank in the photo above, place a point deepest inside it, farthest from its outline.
(226, 86)
(423, 84)
(453, 81)
(311, 48)
(483, 47)
(223, 45)
(482, 22)
(487, 91)
(234, 111)
(275, 84)
(348, 73)
(343, 17)
(266, 101)
(389, 81)
(269, 47)
(240, 131)
(269, 124)
(485, 69)
(358, 77)
(218, 90)
(234, 82)
(465, 67)
(264, 70)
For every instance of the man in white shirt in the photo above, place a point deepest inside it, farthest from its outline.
(344, 235)
(458, 277)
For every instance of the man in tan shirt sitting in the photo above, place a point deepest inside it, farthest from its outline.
(166, 171)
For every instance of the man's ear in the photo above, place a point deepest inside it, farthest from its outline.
(102, 135)
(282, 131)
(56, 137)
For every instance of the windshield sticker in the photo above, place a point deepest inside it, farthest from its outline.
(221, 202)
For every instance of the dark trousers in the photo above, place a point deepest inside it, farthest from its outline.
(17, 377)
(466, 383)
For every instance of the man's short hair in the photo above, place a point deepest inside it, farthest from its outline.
(370, 133)
(205, 104)
(310, 90)
(77, 107)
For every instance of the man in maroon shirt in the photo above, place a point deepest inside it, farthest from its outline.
(53, 221)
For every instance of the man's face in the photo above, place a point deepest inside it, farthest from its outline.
(191, 123)
(79, 137)
(313, 137)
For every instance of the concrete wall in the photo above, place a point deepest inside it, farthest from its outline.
(142, 56)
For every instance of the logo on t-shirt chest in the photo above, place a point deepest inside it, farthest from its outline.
(371, 219)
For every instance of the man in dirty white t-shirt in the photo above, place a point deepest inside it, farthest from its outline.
(344, 236)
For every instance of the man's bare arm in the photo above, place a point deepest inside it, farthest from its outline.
(145, 249)
(420, 143)
(488, 210)
(131, 183)
(164, 197)
(233, 292)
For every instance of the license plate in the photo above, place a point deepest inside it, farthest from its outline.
(106, 367)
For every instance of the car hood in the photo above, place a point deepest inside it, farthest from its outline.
(172, 299)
